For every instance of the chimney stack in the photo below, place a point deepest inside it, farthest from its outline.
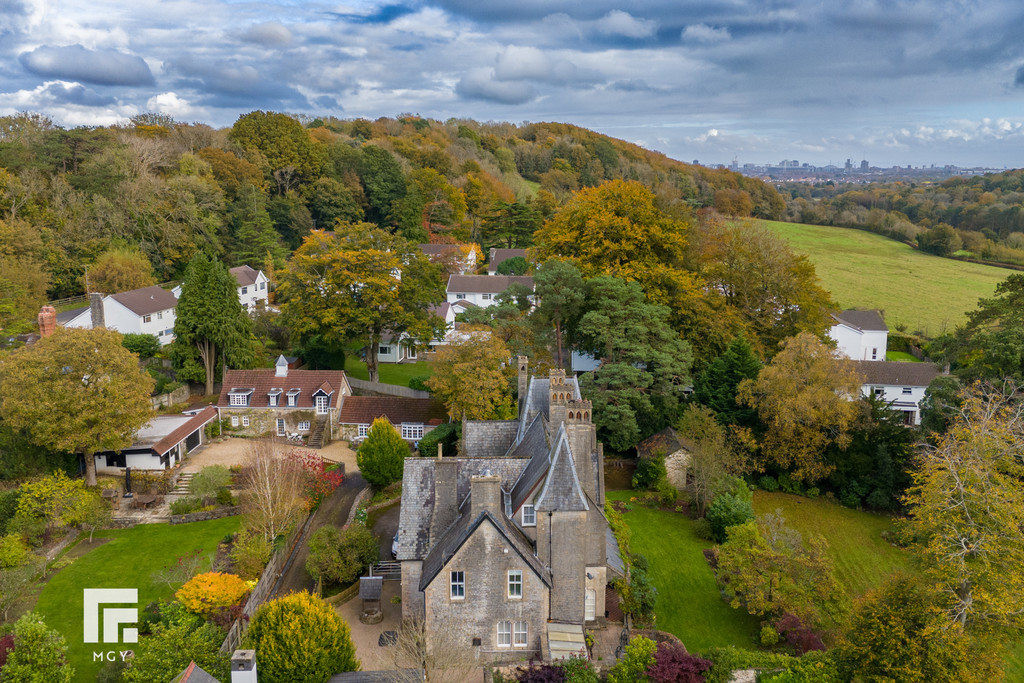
(524, 363)
(485, 494)
(243, 666)
(281, 367)
(446, 502)
(96, 310)
(47, 321)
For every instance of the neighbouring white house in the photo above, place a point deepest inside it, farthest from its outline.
(149, 310)
(482, 290)
(901, 385)
(253, 287)
(860, 335)
(160, 444)
(463, 256)
(496, 257)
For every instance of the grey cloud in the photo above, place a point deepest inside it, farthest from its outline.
(478, 84)
(269, 33)
(75, 93)
(76, 63)
(1018, 78)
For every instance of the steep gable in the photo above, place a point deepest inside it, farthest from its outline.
(562, 490)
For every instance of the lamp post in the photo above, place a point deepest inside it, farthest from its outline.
(127, 482)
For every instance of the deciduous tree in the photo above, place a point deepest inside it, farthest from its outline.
(76, 391)
(473, 376)
(274, 485)
(357, 284)
(806, 399)
(211, 326)
(39, 654)
(118, 270)
(165, 654)
(714, 456)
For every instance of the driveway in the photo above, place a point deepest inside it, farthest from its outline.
(385, 526)
(234, 451)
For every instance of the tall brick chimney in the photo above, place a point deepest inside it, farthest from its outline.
(96, 310)
(47, 321)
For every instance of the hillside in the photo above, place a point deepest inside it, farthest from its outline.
(925, 293)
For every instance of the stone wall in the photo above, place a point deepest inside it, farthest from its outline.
(675, 469)
(206, 515)
(179, 395)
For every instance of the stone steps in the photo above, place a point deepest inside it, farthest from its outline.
(181, 487)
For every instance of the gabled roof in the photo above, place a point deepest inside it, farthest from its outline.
(535, 443)
(64, 317)
(486, 284)
(146, 300)
(397, 409)
(562, 490)
(894, 373)
(665, 442)
(194, 673)
(198, 421)
(499, 255)
(863, 320)
(460, 532)
(303, 382)
(246, 275)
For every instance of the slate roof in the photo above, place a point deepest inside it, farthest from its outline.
(265, 379)
(459, 533)
(246, 275)
(397, 409)
(194, 673)
(64, 317)
(508, 469)
(894, 373)
(863, 320)
(488, 438)
(486, 284)
(534, 442)
(562, 489)
(499, 255)
(370, 587)
(146, 300)
(665, 442)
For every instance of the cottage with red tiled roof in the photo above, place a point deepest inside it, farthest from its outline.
(283, 402)
(412, 417)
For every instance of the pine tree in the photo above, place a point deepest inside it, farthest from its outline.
(716, 386)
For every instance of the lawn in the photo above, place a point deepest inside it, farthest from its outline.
(390, 373)
(863, 559)
(689, 604)
(127, 560)
(902, 356)
(925, 293)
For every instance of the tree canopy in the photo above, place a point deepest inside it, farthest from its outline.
(473, 376)
(381, 457)
(76, 391)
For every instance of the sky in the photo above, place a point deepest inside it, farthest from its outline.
(895, 82)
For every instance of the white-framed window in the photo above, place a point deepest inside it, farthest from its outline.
(411, 351)
(280, 426)
(160, 333)
(304, 426)
(273, 399)
(520, 634)
(874, 354)
(363, 430)
(234, 420)
(292, 399)
(147, 318)
(412, 431)
(504, 634)
(383, 350)
(458, 585)
(238, 399)
(460, 297)
(245, 420)
(160, 315)
(907, 391)
(263, 285)
(245, 290)
(485, 297)
(529, 515)
(515, 584)
(879, 392)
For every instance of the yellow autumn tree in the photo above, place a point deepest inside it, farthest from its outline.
(206, 594)
(473, 376)
(806, 398)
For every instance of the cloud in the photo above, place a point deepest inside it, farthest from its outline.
(1018, 78)
(529, 63)
(619, 23)
(479, 84)
(76, 63)
(172, 104)
(269, 33)
(702, 33)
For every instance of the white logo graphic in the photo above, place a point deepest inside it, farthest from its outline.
(113, 617)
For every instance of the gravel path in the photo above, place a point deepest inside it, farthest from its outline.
(234, 451)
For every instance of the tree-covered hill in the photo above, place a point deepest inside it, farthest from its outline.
(76, 200)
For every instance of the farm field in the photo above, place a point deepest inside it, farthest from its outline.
(121, 558)
(926, 293)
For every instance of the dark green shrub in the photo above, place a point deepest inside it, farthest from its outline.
(146, 345)
(8, 507)
(728, 510)
(789, 485)
(702, 528)
(381, 456)
(649, 472)
(184, 506)
(517, 265)
(340, 556)
(224, 497)
(768, 483)
(419, 382)
(813, 492)
(446, 434)
(667, 494)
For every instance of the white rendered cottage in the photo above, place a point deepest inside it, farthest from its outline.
(149, 310)
(860, 335)
(901, 385)
(483, 290)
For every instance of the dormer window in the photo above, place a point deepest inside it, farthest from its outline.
(274, 397)
(293, 397)
(239, 397)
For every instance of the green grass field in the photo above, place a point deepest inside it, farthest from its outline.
(127, 560)
(689, 604)
(901, 356)
(863, 270)
(390, 373)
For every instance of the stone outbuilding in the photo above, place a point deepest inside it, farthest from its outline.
(669, 445)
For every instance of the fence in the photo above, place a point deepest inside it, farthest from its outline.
(390, 389)
(266, 586)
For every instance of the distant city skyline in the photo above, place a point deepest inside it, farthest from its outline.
(916, 82)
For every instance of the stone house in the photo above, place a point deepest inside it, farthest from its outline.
(667, 443)
(508, 542)
(412, 417)
(283, 402)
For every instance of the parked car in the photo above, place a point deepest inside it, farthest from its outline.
(394, 546)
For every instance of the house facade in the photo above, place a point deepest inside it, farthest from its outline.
(411, 417)
(149, 310)
(482, 290)
(508, 543)
(253, 287)
(901, 385)
(860, 335)
(283, 402)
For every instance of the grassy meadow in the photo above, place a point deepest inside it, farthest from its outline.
(926, 293)
(390, 373)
